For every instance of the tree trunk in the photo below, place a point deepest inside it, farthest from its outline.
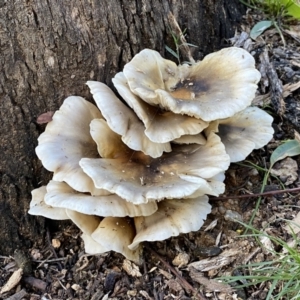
(49, 49)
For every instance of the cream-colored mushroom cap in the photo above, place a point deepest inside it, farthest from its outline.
(172, 218)
(66, 140)
(91, 246)
(247, 130)
(160, 126)
(217, 87)
(191, 139)
(123, 121)
(139, 178)
(117, 234)
(108, 234)
(61, 195)
(86, 223)
(38, 207)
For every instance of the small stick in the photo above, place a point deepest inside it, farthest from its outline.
(270, 193)
(185, 49)
(52, 249)
(184, 283)
(49, 260)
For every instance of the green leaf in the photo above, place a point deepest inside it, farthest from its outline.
(171, 51)
(191, 45)
(292, 7)
(289, 148)
(259, 28)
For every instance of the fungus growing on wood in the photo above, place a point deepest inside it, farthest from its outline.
(142, 172)
(217, 87)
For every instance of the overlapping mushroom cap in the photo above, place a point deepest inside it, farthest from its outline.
(219, 86)
(128, 174)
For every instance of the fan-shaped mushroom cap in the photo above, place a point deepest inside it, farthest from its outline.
(216, 184)
(124, 122)
(66, 140)
(191, 139)
(107, 234)
(86, 223)
(38, 207)
(161, 126)
(117, 234)
(109, 143)
(91, 246)
(60, 195)
(247, 130)
(139, 178)
(172, 218)
(219, 86)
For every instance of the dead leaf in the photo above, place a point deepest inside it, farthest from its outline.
(217, 262)
(181, 260)
(288, 89)
(212, 225)
(174, 285)
(268, 247)
(131, 269)
(210, 284)
(132, 293)
(293, 226)
(145, 294)
(166, 274)
(12, 281)
(286, 170)
(75, 287)
(56, 243)
(45, 117)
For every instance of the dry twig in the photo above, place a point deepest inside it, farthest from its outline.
(270, 193)
(182, 281)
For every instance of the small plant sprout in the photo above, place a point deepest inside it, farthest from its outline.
(277, 13)
(280, 275)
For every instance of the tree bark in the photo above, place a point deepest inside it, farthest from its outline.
(49, 49)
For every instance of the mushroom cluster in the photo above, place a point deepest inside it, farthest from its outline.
(141, 169)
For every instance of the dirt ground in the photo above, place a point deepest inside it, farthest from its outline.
(185, 267)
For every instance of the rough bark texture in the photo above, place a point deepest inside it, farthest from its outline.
(50, 48)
